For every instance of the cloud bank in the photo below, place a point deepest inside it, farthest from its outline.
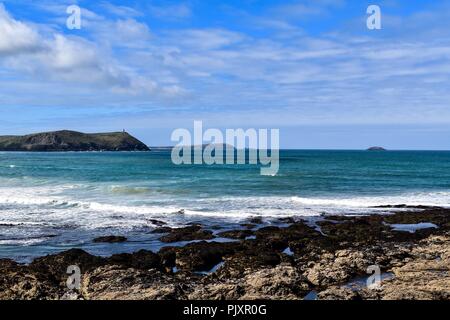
(303, 62)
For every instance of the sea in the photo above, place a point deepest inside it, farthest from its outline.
(50, 202)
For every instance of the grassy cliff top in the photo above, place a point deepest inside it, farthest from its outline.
(67, 140)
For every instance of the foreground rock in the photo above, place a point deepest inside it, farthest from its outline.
(19, 282)
(281, 282)
(116, 283)
(110, 239)
(258, 268)
(236, 234)
(426, 275)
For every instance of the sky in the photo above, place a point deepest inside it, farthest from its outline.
(310, 68)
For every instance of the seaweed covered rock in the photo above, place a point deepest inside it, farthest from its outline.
(186, 234)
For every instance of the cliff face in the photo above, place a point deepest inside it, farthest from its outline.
(72, 141)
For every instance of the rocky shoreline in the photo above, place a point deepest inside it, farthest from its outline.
(292, 261)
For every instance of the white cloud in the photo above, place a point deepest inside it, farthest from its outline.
(335, 77)
(124, 33)
(305, 8)
(75, 59)
(170, 12)
(121, 11)
(66, 54)
(131, 30)
(204, 39)
(16, 37)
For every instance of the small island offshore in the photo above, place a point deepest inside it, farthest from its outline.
(66, 140)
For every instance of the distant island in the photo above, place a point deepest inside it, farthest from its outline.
(376, 149)
(66, 140)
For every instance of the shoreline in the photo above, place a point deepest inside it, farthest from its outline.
(292, 261)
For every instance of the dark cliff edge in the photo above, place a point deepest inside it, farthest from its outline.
(66, 140)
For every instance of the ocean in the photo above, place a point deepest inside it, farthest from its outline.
(51, 202)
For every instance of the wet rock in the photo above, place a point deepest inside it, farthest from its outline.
(439, 217)
(297, 236)
(286, 220)
(156, 222)
(142, 259)
(162, 230)
(187, 234)
(201, 256)
(248, 225)
(256, 220)
(404, 206)
(54, 267)
(257, 268)
(268, 231)
(293, 232)
(236, 234)
(168, 257)
(8, 264)
(248, 256)
(245, 261)
(361, 230)
(110, 239)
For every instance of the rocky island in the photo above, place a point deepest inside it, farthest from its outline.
(66, 140)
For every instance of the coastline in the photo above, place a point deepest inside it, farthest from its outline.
(328, 260)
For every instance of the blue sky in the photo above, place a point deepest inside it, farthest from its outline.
(310, 68)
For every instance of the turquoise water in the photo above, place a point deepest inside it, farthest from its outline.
(53, 201)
